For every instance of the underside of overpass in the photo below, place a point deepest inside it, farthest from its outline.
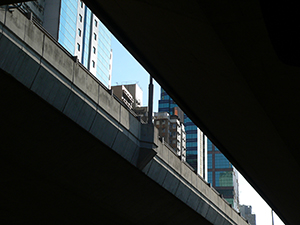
(232, 67)
(55, 172)
(110, 168)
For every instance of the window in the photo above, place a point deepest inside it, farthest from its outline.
(96, 23)
(79, 32)
(209, 161)
(224, 179)
(209, 176)
(222, 161)
(80, 17)
(94, 50)
(209, 146)
(95, 36)
(78, 46)
(93, 63)
(81, 4)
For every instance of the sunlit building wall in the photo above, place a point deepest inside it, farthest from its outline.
(79, 31)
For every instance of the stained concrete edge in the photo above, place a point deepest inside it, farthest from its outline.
(182, 184)
(58, 57)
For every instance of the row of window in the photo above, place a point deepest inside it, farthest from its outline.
(222, 178)
(80, 17)
(220, 161)
(190, 136)
(191, 144)
(94, 35)
(189, 124)
(78, 48)
(190, 128)
(71, 14)
(194, 152)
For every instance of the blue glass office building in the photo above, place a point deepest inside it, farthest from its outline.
(78, 30)
(195, 154)
(222, 175)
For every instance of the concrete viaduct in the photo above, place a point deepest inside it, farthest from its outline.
(240, 60)
(72, 153)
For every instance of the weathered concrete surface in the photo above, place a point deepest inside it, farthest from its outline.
(77, 137)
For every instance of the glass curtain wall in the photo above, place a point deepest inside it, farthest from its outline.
(82, 33)
(222, 175)
(166, 104)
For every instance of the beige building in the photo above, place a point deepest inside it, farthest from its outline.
(124, 95)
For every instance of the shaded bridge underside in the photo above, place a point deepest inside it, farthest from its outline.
(53, 171)
(219, 60)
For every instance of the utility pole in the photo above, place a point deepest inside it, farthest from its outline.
(150, 101)
(272, 217)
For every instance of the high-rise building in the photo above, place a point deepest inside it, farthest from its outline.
(222, 175)
(246, 212)
(132, 96)
(172, 130)
(195, 152)
(137, 94)
(162, 123)
(178, 136)
(79, 31)
(204, 157)
(124, 95)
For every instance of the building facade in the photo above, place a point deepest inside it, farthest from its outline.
(246, 212)
(79, 31)
(172, 131)
(124, 95)
(195, 151)
(222, 175)
(162, 123)
(178, 137)
(205, 157)
(137, 94)
(132, 96)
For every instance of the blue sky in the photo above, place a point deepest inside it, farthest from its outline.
(126, 70)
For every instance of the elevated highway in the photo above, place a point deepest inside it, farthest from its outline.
(71, 153)
(233, 66)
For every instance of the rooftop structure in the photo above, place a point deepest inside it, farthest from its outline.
(123, 94)
(246, 212)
